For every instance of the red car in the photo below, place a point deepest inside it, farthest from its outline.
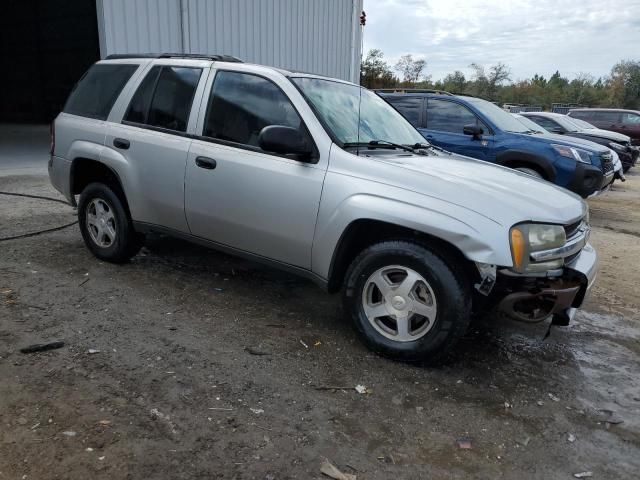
(614, 119)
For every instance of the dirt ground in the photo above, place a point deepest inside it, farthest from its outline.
(208, 367)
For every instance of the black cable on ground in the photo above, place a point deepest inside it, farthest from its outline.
(39, 197)
(40, 232)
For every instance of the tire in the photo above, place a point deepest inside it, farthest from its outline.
(529, 171)
(105, 224)
(445, 301)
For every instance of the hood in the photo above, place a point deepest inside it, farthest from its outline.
(570, 141)
(501, 194)
(613, 136)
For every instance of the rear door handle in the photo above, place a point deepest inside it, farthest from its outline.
(206, 162)
(121, 143)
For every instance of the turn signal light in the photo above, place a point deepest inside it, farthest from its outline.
(518, 248)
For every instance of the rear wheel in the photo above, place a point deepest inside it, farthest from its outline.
(406, 302)
(105, 224)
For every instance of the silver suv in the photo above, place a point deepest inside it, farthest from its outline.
(322, 178)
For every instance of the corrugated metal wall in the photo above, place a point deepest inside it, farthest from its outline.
(319, 36)
(128, 26)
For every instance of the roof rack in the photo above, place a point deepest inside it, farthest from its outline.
(197, 56)
(411, 90)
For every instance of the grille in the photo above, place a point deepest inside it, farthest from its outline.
(607, 163)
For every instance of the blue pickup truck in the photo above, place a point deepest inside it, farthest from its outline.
(477, 128)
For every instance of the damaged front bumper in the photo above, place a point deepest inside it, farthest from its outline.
(532, 299)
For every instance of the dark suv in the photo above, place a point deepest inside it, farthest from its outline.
(479, 129)
(575, 127)
(626, 122)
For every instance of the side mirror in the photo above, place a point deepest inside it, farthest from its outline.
(284, 140)
(474, 130)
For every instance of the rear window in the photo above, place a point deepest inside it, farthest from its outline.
(97, 91)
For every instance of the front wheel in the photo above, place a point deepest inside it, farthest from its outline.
(406, 302)
(529, 171)
(105, 225)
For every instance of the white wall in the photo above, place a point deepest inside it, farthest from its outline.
(318, 36)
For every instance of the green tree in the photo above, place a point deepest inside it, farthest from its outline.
(454, 82)
(620, 89)
(625, 84)
(487, 84)
(375, 72)
(410, 69)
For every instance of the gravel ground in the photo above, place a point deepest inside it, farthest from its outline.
(206, 366)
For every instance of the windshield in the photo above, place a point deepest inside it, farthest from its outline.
(501, 119)
(581, 123)
(340, 104)
(530, 124)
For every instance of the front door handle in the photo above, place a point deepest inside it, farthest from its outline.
(206, 162)
(121, 143)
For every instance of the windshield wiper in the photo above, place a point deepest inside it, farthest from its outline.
(432, 147)
(383, 144)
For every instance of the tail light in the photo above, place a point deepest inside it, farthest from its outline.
(52, 133)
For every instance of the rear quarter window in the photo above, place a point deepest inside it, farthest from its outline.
(409, 107)
(96, 92)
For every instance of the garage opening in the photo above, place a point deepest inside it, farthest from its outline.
(45, 47)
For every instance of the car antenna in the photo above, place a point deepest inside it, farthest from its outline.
(358, 139)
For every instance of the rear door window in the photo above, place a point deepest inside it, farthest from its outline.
(581, 114)
(242, 104)
(606, 117)
(409, 107)
(446, 116)
(97, 91)
(164, 98)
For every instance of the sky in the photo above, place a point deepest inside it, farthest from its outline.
(530, 36)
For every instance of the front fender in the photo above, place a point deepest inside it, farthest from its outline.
(518, 158)
(478, 238)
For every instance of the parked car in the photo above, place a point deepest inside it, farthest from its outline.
(538, 130)
(564, 125)
(479, 129)
(324, 179)
(622, 121)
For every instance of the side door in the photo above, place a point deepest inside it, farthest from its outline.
(445, 121)
(239, 195)
(152, 138)
(606, 120)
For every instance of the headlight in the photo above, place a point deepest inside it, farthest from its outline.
(534, 237)
(574, 153)
(617, 147)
